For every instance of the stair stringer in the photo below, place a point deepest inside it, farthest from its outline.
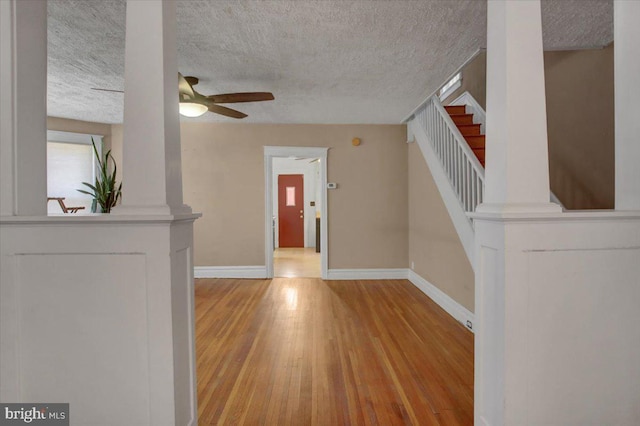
(461, 221)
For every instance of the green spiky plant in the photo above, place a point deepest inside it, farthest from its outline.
(105, 192)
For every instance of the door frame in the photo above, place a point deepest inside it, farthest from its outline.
(294, 151)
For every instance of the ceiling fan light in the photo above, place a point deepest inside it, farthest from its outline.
(192, 109)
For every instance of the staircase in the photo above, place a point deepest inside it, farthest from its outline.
(470, 131)
(453, 146)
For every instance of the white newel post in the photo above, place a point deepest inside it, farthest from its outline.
(23, 103)
(97, 310)
(151, 131)
(626, 15)
(517, 164)
(553, 290)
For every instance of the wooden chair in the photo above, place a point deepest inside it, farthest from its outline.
(64, 208)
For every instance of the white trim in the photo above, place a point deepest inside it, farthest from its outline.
(459, 69)
(294, 151)
(458, 216)
(72, 137)
(367, 274)
(554, 199)
(230, 272)
(453, 308)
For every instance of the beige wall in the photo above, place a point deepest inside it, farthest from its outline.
(474, 81)
(223, 178)
(434, 246)
(77, 126)
(580, 122)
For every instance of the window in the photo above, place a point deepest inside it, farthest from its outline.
(70, 161)
(450, 86)
(291, 196)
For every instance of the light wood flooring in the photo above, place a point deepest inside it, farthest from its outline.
(312, 352)
(296, 263)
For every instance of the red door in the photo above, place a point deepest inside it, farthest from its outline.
(291, 210)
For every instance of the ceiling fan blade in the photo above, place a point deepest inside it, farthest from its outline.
(185, 88)
(107, 90)
(228, 98)
(226, 111)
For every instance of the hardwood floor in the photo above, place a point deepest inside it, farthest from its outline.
(296, 263)
(312, 352)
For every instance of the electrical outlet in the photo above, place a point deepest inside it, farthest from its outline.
(413, 265)
(469, 325)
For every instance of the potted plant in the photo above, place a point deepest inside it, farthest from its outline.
(105, 191)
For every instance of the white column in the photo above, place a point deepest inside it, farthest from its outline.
(517, 165)
(626, 15)
(152, 169)
(23, 108)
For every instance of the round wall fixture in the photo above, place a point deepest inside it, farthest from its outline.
(355, 141)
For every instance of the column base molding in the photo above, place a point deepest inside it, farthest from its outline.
(520, 208)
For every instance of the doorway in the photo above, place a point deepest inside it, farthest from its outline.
(295, 182)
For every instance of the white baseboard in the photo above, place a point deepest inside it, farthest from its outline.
(230, 272)
(367, 274)
(453, 308)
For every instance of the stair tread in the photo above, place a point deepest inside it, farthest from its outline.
(455, 107)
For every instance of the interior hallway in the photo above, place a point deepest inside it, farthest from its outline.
(296, 263)
(312, 352)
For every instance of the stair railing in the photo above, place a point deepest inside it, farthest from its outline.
(460, 164)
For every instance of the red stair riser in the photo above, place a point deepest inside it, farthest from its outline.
(469, 129)
(480, 154)
(462, 118)
(476, 141)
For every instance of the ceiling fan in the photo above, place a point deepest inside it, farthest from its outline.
(194, 104)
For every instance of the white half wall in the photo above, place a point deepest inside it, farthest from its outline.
(108, 327)
(557, 303)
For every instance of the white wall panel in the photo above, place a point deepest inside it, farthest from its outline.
(584, 355)
(72, 348)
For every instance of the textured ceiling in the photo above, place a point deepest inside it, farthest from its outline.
(325, 61)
